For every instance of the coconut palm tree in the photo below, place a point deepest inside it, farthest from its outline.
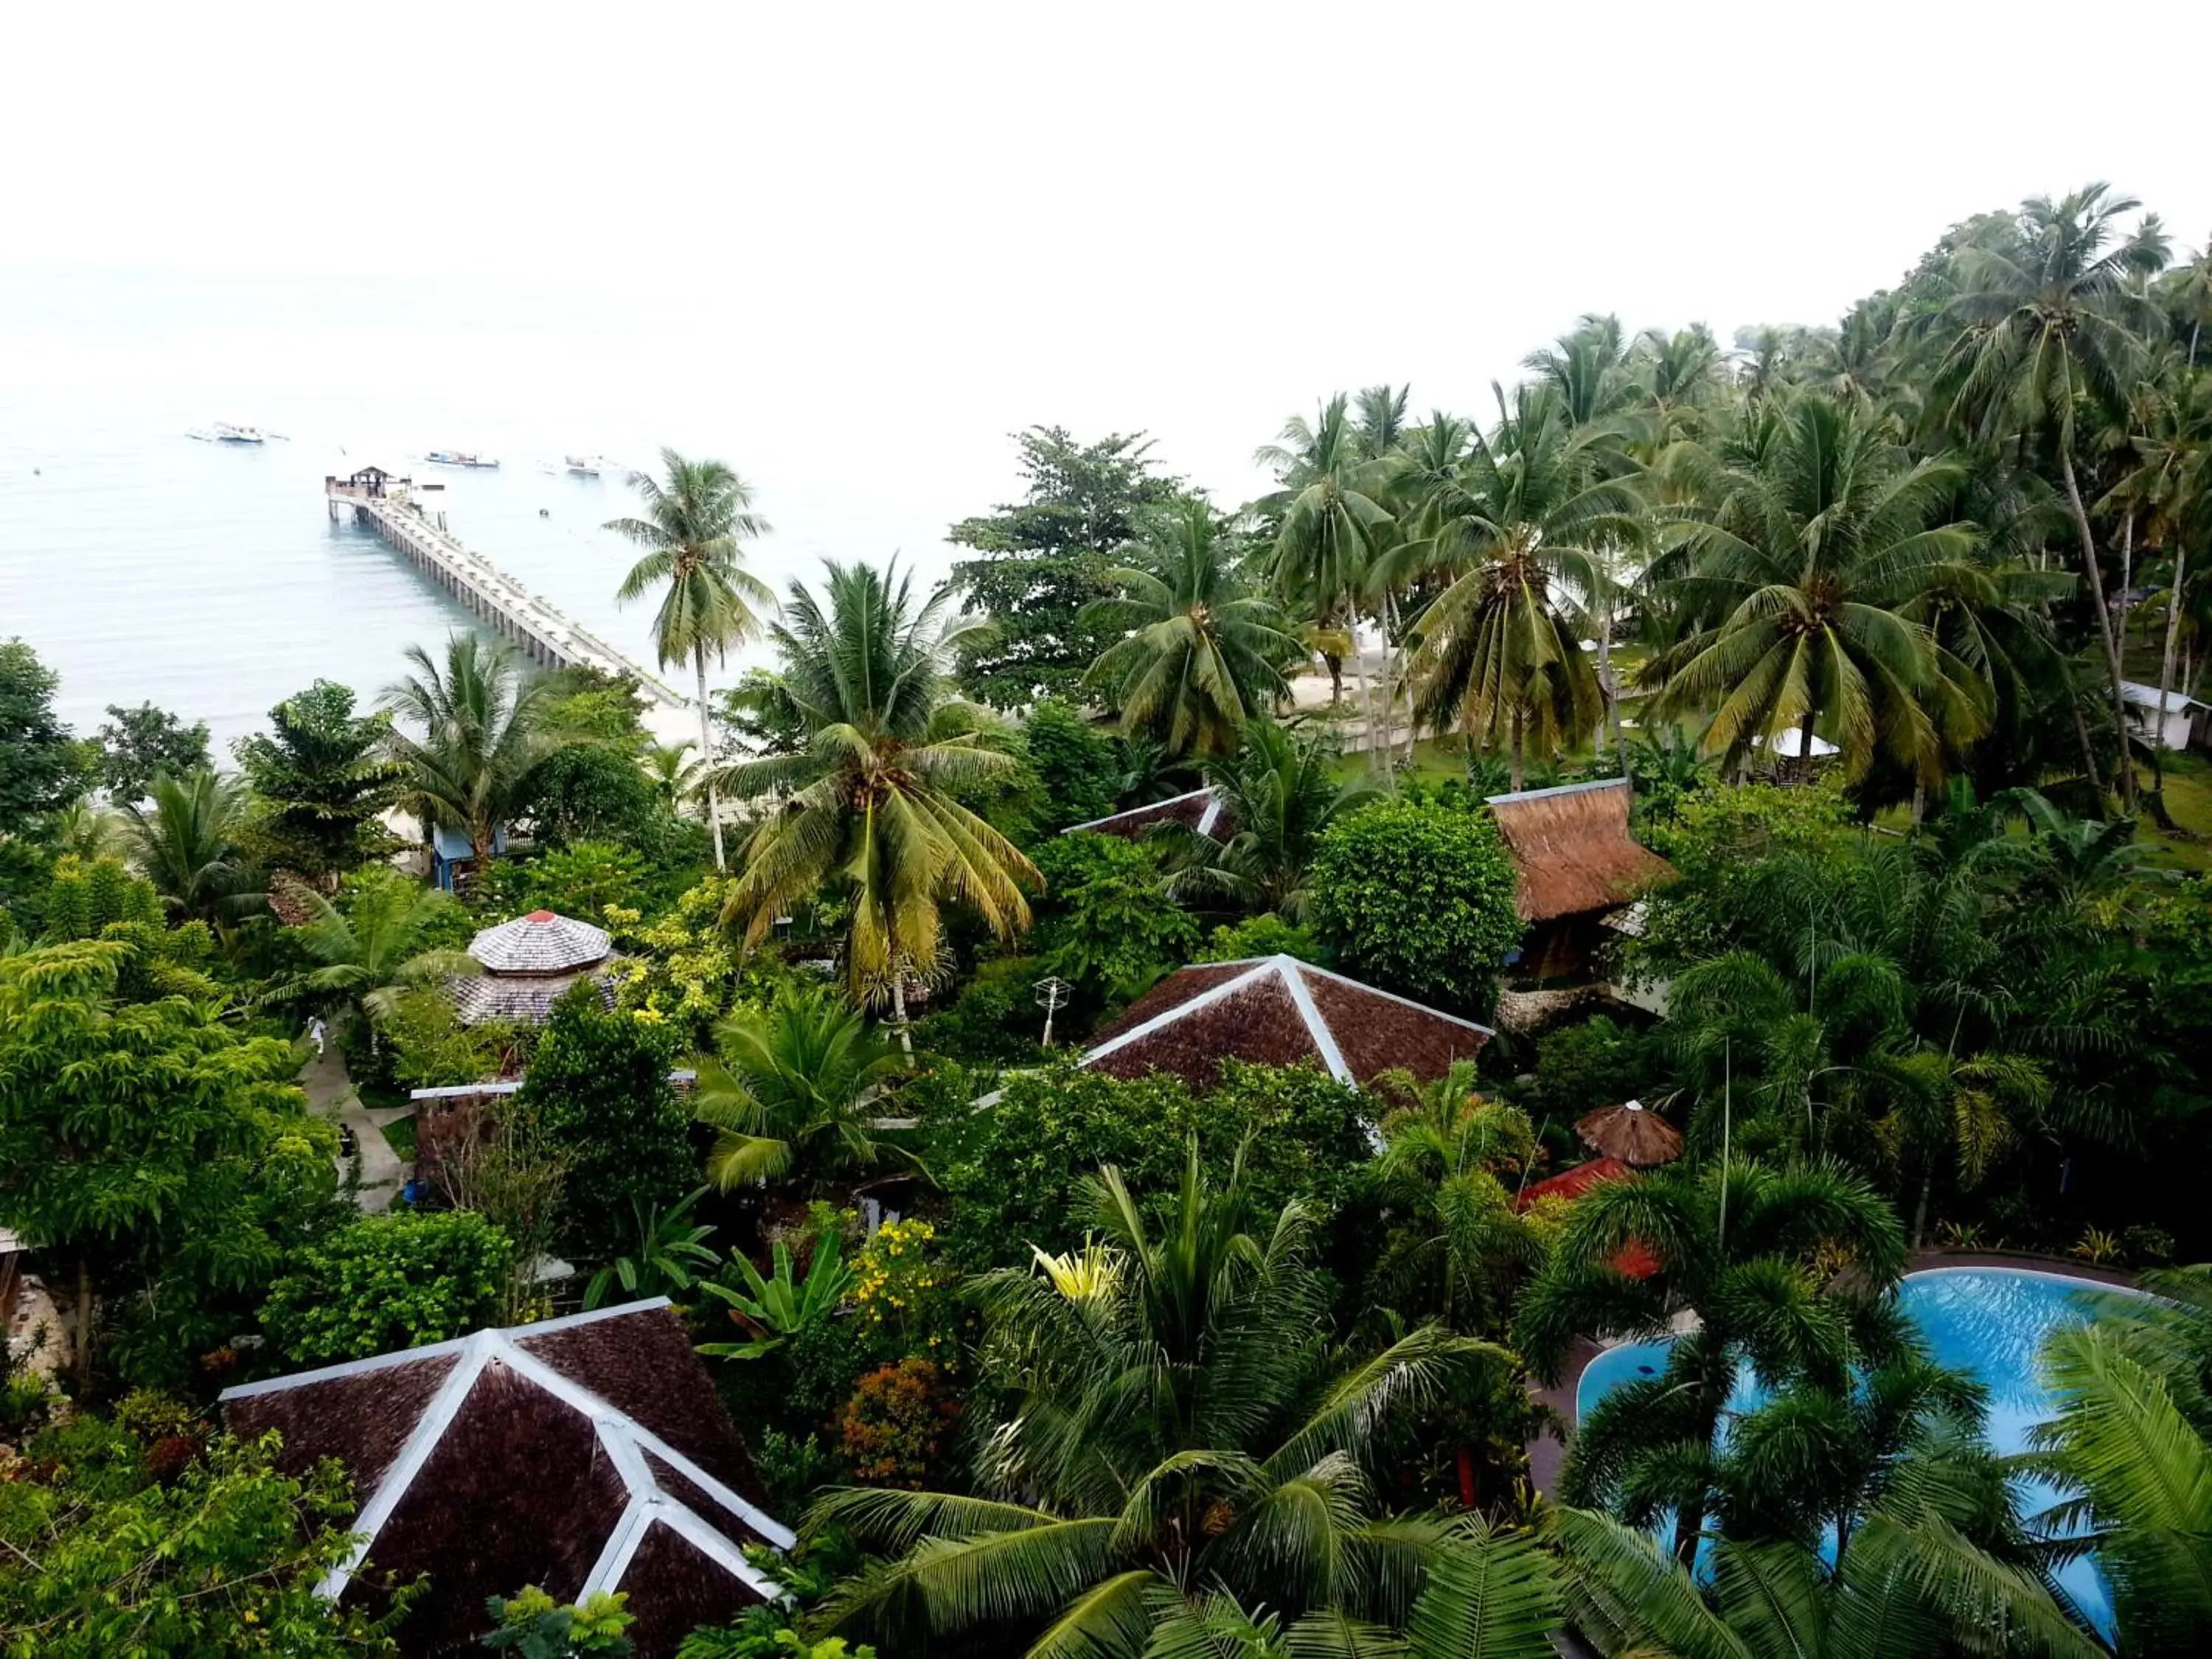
(1199, 655)
(670, 769)
(1331, 520)
(696, 517)
(793, 1085)
(1169, 1419)
(1736, 1245)
(1797, 584)
(2132, 1448)
(869, 805)
(183, 838)
(1525, 524)
(1279, 796)
(485, 728)
(372, 951)
(2049, 322)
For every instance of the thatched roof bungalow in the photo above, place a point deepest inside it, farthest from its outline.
(528, 964)
(1575, 863)
(583, 1453)
(1202, 811)
(1277, 1010)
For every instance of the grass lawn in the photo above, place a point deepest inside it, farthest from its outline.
(400, 1136)
(2188, 803)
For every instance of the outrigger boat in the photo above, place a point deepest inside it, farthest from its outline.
(460, 458)
(225, 432)
(583, 467)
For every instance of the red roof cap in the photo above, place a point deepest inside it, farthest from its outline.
(539, 915)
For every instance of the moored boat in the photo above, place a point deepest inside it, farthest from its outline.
(583, 467)
(460, 457)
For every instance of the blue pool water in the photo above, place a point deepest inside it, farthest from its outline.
(1987, 1321)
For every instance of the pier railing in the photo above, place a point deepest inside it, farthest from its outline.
(542, 631)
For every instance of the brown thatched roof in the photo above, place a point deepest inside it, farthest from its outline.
(1572, 848)
(581, 1454)
(1201, 809)
(1631, 1133)
(1277, 1010)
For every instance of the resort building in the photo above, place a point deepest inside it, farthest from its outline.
(2175, 721)
(1202, 811)
(453, 857)
(529, 964)
(1576, 868)
(579, 1454)
(1277, 1010)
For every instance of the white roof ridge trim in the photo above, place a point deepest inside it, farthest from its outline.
(1150, 806)
(1558, 789)
(377, 1362)
(1317, 1027)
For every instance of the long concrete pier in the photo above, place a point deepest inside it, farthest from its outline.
(544, 632)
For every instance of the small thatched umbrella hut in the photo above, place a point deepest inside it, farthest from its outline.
(1640, 1138)
(528, 963)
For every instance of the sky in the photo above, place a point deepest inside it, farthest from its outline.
(851, 248)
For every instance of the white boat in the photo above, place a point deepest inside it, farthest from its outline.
(583, 467)
(460, 457)
(226, 432)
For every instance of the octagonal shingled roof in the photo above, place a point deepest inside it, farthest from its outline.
(541, 943)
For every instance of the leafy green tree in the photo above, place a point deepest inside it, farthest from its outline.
(1079, 775)
(2048, 323)
(1417, 898)
(1280, 795)
(673, 770)
(1041, 561)
(587, 792)
(1244, 1469)
(380, 945)
(140, 744)
(151, 1148)
(1798, 588)
(1525, 527)
(1743, 1247)
(186, 840)
(485, 731)
(1192, 655)
(869, 806)
(115, 1546)
(101, 899)
(1110, 933)
(387, 1282)
(42, 768)
(696, 516)
(582, 879)
(323, 782)
(1012, 1172)
(598, 1086)
(793, 1088)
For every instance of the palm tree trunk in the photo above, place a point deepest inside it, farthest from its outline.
(1359, 676)
(2096, 580)
(1608, 712)
(2165, 657)
(1517, 773)
(707, 756)
(898, 1006)
(84, 1326)
(1805, 746)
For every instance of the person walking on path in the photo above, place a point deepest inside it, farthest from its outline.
(316, 1033)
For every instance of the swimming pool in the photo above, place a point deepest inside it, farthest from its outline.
(1987, 1321)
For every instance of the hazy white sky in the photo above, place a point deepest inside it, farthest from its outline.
(870, 241)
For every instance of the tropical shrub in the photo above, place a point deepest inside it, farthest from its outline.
(389, 1281)
(899, 1425)
(1418, 899)
(578, 878)
(1594, 1063)
(906, 1298)
(1265, 935)
(1076, 770)
(532, 1626)
(995, 1020)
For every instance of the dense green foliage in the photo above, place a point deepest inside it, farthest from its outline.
(138, 745)
(599, 1084)
(41, 767)
(323, 779)
(387, 1282)
(1418, 899)
(122, 1545)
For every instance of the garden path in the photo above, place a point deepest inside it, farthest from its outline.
(330, 1094)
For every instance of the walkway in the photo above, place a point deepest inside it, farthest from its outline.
(330, 1094)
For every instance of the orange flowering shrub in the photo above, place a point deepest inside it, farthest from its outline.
(899, 1425)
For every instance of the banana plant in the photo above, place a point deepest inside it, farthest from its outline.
(779, 1305)
(671, 1252)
